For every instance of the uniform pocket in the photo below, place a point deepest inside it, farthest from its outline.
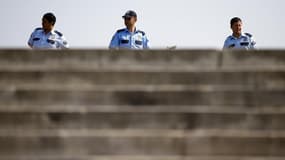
(138, 42)
(232, 46)
(244, 43)
(36, 39)
(50, 41)
(123, 41)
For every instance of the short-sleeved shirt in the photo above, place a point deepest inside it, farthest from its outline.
(124, 39)
(52, 40)
(245, 41)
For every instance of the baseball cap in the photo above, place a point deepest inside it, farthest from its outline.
(130, 13)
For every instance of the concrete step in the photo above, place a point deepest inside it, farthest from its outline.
(145, 157)
(98, 104)
(149, 119)
(82, 109)
(143, 133)
(258, 79)
(253, 59)
(196, 143)
(102, 58)
(136, 87)
(154, 59)
(142, 96)
(132, 68)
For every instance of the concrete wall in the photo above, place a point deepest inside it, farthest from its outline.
(142, 105)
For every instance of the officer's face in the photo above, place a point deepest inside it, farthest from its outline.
(237, 27)
(130, 21)
(47, 26)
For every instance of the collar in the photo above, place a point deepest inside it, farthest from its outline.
(126, 30)
(52, 32)
(241, 36)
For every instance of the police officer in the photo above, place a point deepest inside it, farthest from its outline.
(46, 37)
(239, 40)
(129, 37)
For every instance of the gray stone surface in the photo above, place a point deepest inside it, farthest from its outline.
(142, 105)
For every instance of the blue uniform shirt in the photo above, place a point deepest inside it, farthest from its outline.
(124, 39)
(53, 40)
(245, 41)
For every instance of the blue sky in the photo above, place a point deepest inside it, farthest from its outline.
(185, 23)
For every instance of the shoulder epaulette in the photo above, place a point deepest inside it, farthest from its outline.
(58, 33)
(39, 28)
(120, 30)
(230, 38)
(142, 32)
(248, 34)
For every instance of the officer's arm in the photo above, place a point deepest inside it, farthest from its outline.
(62, 43)
(228, 44)
(145, 43)
(252, 43)
(30, 41)
(115, 42)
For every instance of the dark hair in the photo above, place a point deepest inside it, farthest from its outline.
(234, 20)
(50, 17)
